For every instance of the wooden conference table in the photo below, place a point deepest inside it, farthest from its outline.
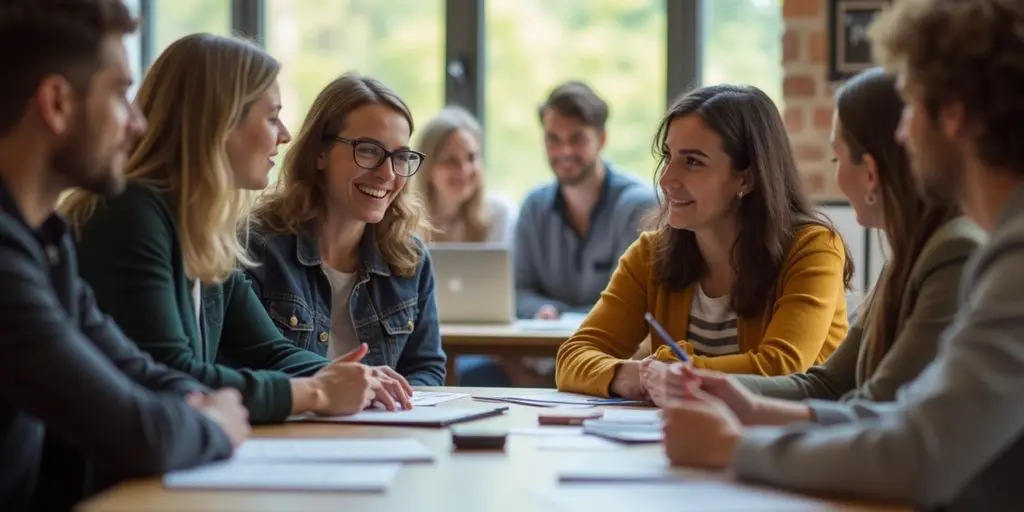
(522, 478)
(498, 340)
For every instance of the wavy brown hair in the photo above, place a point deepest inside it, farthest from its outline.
(199, 89)
(869, 110)
(473, 212)
(754, 137)
(299, 200)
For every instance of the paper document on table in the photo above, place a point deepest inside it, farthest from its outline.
(631, 416)
(625, 432)
(621, 473)
(428, 398)
(695, 494)
(332, 450)
(576, 443)
(285, 477)
(554, 398)
(553, 431)
(568, 322)
(417, 416)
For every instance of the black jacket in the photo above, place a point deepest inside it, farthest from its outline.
(68, 373)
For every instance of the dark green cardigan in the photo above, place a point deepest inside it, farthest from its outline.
(129, 252)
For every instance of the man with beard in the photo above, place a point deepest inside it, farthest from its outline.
(571, 233)
(67, 372)
(952, 439)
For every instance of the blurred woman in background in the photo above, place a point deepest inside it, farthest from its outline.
(451, 181)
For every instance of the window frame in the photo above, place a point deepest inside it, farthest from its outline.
(464, 55)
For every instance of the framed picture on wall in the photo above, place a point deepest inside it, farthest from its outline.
(848, 23)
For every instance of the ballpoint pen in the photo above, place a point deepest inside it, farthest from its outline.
(680, 353)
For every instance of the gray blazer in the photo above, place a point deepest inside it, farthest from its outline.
(953, 437)
(927, 308)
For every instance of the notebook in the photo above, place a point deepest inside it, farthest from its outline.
(416, 417)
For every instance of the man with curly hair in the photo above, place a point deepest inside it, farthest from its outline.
(952, 439)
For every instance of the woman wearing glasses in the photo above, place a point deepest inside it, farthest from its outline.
(339, 261)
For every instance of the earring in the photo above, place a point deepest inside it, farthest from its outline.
(870, 198)
(739, 195)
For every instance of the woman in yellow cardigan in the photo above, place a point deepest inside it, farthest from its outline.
(739, 269)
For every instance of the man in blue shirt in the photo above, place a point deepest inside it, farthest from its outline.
(571, 233)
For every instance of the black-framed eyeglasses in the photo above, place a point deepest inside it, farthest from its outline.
(371, 155)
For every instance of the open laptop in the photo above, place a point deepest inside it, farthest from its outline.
(474, 283)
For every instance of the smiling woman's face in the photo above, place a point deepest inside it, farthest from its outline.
(365, 194)
(698, 181)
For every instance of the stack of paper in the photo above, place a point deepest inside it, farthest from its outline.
(558, 398)
(627, 426)
(305, 464)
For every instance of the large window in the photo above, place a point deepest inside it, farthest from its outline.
(743, 44)
(400, 42)
(617, 46)
(133, 46)
(173, 19)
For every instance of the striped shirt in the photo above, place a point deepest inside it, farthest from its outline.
(712, 325)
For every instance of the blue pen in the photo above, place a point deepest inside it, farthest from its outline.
(680, 353)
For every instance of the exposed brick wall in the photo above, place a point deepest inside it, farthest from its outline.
(808, 93)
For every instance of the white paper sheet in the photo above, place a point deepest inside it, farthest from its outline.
(641, 416)
(332, 450)
(569, 322)
(576, 443)
(621, 473)
(680, 495)
(557, 398)
(552, 431)
(428, 398)
(427, 416)
(280, 476)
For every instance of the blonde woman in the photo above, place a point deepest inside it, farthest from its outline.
(161, 256)
(339, 262)
(452, 182)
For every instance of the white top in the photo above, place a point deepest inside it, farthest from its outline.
(712, 325)
(197, 302)
(343, 329)
(503, 216)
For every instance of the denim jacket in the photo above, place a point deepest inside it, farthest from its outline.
(395, 316)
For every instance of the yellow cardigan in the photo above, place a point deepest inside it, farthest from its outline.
(805, 323)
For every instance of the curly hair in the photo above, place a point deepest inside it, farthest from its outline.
(968, 52)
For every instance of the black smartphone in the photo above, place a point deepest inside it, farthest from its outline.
(478, 438)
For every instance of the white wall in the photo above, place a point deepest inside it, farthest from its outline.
(867, 246)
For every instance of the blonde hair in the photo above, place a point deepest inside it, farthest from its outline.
(199, 89)
(432, 140)
(300, 196)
